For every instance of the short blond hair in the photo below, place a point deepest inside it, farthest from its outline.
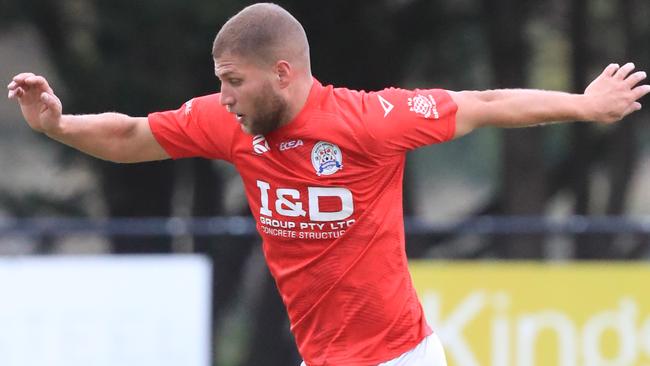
(264, 33)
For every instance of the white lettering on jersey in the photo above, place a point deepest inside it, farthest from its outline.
(288, 202)
(386, 105)
(344, 194)
(290, 145)
(293, 209)
(264, 198)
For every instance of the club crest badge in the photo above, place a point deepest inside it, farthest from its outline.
(424, 106)
(326, 158)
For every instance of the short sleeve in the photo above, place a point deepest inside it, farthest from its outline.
(199, 128)
(399, 120)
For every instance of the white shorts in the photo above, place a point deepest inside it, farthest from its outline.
(429, 352)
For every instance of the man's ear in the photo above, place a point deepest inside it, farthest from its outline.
(284, 74)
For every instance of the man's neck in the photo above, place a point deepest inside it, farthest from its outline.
(298, 98)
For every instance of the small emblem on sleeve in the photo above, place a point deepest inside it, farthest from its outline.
(260, 146)
(386, 105)
(326, 158)
(424, 106)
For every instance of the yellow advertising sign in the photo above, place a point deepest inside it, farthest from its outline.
(538, 314)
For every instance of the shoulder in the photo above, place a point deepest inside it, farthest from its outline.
(349, 104)
(361, 107)
(205, 104)
(207, 110)
(202, 116)
(369, 104)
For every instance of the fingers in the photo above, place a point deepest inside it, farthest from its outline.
(636, 78)
(19, 80)
(38, 82)
(15, 93)
(28, 80)
(624, 71)
(641, 91)
(610, 69)
(21, 77)
(50, 100)
(632, 108)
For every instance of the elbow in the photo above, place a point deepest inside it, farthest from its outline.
(473, 111)
(121, 148)
(485, 96)
(125, 155)
(118, 160)
(112, 156)
(479, 96)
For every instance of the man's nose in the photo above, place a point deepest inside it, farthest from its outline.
(226, 99)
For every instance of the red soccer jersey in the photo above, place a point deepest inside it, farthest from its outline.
(326, 193)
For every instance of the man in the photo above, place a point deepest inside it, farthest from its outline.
(322, 169)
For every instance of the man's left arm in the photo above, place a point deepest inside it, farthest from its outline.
(610, 97)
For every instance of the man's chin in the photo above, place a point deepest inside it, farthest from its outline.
(249, 131)
(247, 128)
(255, 130)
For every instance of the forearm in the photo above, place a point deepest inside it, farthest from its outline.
(513, 108)
(106, 136)
(529, 107)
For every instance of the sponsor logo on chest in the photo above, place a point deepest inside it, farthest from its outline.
(260, 145)
(292, 144)
(308, 212)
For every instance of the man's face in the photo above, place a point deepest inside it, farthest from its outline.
(249, 91)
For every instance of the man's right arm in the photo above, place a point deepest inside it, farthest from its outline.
(109, 136)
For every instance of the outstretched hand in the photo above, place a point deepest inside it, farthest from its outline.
(615, 93)
(41, 108)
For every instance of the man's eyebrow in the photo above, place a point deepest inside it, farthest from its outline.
(225, 74)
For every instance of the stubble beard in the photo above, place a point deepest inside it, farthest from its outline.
(270, 110)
